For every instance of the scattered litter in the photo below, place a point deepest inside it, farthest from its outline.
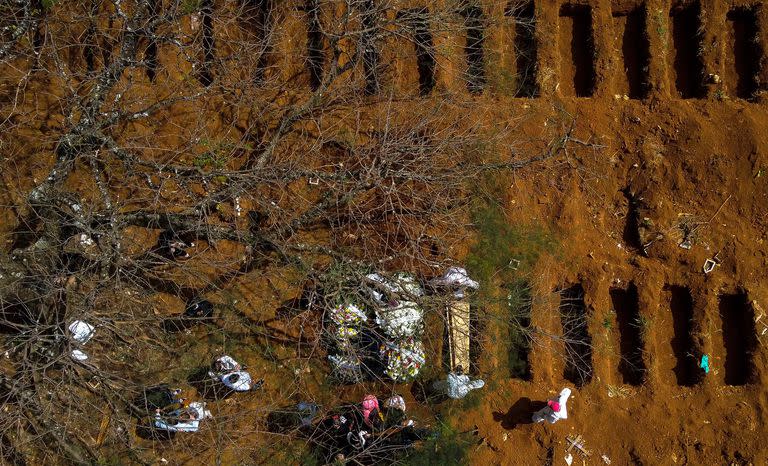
(605, 459)
(238, 208)
(86, 240)
(569, 459)
(619, 392)
(704, 364)
(81, 331)
(709, 265)
(78, 355)
(577, 442)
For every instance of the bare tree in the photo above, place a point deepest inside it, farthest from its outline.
(268, 135)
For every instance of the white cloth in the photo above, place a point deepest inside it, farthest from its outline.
(226, 363)
(81, 331)
(550, 415)
(400, 283)
(78, 355)
(396, 402)
(242, 384)
(455, 278)
(457, 386)
(192, 425)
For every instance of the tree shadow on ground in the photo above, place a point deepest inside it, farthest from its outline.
(520, 413)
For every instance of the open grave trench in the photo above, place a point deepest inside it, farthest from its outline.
(523, 37)
(674, 333)
(680, 30)
(687, 66)
(624, 302)
(672, 329)
(577, 341)
(738, 338)
(577, 50)
(743, 51)
(631, 37)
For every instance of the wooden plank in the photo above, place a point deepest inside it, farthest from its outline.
(458, 334)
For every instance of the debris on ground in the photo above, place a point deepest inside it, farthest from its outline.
(577, 443)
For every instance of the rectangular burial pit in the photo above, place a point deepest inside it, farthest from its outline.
(518, 329)
(629, 25)
(578, 342)
(474, 48)
(739, 337)
(577, 51)
(625, 304)
(416, 25)
(526, 50)
(685, 368)
(687, 67)
(743, 53)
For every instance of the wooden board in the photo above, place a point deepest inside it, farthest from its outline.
(458, 334)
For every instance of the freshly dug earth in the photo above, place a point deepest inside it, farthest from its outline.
(676, 161)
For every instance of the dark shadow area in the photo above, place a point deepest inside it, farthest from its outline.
(298, 418)
(418, 20)
(89, 49)
(739, 337)
(259, 15)
(526, 49)
(476, 331)
(519, 326)
(631, 235)
(150, 54)
(635, 50)
(578, 342)
(422, 391)
(16, 317)
(370, 52)
(578, 20)
(625, 304)
(315, 49)
(520, 413)
(473, 49)
(747, 52)
(681, 304)
(688, 65)
(146, 431)
(9, 454)
(209, 45)
(208, 388)
(197, 312)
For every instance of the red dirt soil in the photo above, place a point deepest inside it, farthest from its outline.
(670, 164)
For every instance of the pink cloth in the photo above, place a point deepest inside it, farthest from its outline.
(369, 404)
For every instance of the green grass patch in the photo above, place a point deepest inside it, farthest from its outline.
(516, 339)
(446, 447)
(502, 258)
(502, 250)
